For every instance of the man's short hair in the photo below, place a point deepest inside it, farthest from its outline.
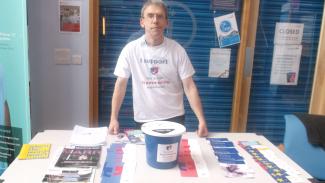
(157, 3)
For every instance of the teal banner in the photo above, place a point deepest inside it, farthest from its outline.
(14, 80)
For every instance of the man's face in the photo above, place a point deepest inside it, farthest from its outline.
(154, 21)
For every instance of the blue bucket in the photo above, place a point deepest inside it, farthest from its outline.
(162, 143)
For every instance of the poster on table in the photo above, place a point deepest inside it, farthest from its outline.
(14, 81)
(219, 62)
(70, 18)
(227, 30)
(288, 33)
(285, 64)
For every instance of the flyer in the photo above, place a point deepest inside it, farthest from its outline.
(285, 64)
(219, 62)
(227, 30)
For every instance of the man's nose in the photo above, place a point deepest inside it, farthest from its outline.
(155, 18)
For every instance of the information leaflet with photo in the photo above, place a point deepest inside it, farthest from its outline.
(285, 64)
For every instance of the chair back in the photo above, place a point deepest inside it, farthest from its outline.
(310, 158)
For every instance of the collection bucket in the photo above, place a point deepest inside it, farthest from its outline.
(162, 143)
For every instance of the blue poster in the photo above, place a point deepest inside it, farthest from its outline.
(227, 30)
(14, 81)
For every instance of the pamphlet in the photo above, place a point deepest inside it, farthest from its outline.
(34, 151)
(135, 136)
(85, 175)
(79, 156)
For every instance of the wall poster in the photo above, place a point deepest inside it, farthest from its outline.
(70, 19)
(227, 30)
(286, 53)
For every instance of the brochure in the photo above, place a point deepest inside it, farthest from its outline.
(79, 156)
(34, 151)
(85, 175)
(135, 136)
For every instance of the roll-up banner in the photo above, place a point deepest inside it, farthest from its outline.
(14, 81)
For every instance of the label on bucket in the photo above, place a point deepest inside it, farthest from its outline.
(167, 152)
(163, 129)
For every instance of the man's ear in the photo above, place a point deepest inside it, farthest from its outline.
(141, 22)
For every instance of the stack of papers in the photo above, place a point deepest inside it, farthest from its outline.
(120, 163)
(190, 159)
(83, 136)
(229, 158)
(73, 164)
(278, 169)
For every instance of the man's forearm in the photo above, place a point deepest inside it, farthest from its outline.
(193, 97)
(118, 97)
(195, 103)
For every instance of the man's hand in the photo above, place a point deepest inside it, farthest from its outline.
(202, 130)
(113, 127)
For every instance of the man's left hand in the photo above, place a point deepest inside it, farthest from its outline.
(202, 130)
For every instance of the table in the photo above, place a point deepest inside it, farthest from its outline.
(32, 171)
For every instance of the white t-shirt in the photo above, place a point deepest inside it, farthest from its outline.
(157, 73)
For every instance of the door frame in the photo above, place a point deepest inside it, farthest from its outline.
(317, 101)
(93, 62)
(244, 66)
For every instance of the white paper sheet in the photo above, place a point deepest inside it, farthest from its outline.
(219, 62)
(88, 136)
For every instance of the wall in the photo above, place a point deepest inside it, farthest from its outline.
(59, 93)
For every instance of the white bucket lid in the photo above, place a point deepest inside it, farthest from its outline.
(163, 129)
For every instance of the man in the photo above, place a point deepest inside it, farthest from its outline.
(161, 72)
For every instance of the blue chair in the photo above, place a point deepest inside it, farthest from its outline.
(310, 158)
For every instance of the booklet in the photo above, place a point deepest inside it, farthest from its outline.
(79, 156)
(85, 175)
(34, 151)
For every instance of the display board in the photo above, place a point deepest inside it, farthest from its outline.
(14, 81)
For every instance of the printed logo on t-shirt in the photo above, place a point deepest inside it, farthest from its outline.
(154, 70)
(154, 78)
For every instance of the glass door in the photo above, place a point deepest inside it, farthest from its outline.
(284, 61)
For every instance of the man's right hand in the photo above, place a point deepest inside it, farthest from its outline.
(113, 127)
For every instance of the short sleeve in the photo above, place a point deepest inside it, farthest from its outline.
(185, 67)
(122, 68)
